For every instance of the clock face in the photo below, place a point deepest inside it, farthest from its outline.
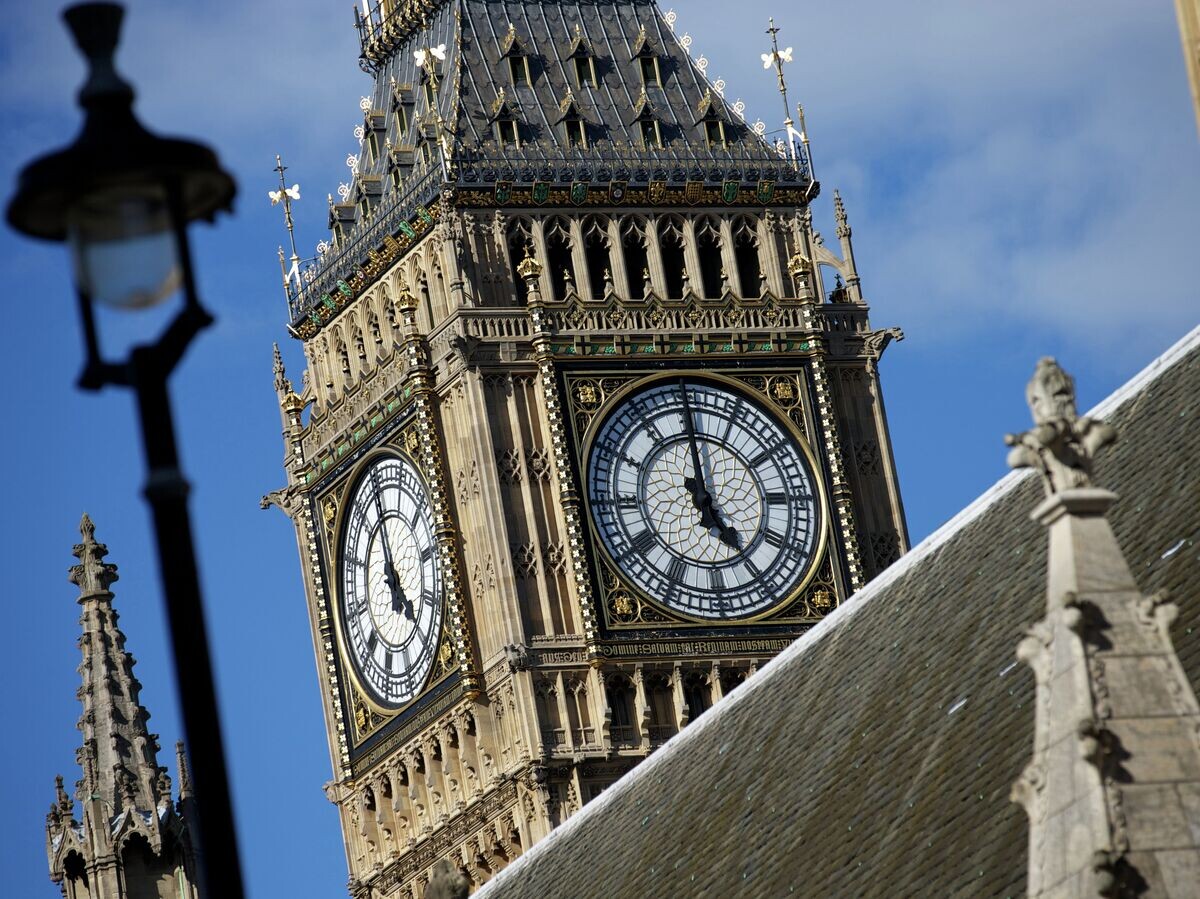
(703, 499)
(391, 597)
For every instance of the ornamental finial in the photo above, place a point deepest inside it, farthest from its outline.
(92, 575)
(529, 269)
(1061, 446)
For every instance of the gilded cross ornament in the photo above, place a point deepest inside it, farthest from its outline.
(1061, 445)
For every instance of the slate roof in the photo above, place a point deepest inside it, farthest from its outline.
(874, 757)
(460, 115)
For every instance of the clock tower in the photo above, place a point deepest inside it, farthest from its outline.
(591, 425)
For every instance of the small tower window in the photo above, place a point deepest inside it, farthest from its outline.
(518, 67)
(649, 70)
(651, 135)
(576, 132)
(714, 132)
(585, 71)
(395, 176)
(364, 208)
(372, 145)
(506, 132)
(427, 84)
(401, 119)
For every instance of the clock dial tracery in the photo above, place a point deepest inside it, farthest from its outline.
(391, 597)
(704, 500)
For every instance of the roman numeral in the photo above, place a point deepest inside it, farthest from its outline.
(387, 660)
(762, 457)
(627, 502)
(643, 541)
(776, 540)
(427, 554)
(778, 498)
(716, 580)
(372, 640)
(676, 569)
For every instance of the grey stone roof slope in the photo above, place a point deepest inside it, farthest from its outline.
(874, 757)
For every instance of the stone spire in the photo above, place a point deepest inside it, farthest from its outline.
(115, 738)
(123, 793)
(1113, 791)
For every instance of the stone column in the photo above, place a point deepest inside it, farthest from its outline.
(1113, 790)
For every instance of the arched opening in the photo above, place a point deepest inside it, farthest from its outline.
(147, 876)
(732, 678)
(558, 257)
(579, 717)
(662, 707)
(745, 251)
(697, 694)
(520, 242)
(670, 240)
(637, 259)
(708, 246)
(553, 734)
(75, 875)
(595, 248)
(622, 729)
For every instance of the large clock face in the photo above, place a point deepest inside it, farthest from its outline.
(391, 597)
(703, 499)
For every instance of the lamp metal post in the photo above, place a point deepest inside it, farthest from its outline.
(123, 198)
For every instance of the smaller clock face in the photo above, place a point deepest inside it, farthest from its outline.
(391, 603)
(703, 499)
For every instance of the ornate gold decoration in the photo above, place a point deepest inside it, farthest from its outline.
(366, 719)
(329, 514)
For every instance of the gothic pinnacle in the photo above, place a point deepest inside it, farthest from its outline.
(185, 774)
(839, 214)
(92, 575)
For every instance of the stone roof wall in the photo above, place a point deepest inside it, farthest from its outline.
(875, 756)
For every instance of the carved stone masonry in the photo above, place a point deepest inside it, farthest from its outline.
(1113, 790)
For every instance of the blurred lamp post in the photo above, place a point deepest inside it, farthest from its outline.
(122, 198)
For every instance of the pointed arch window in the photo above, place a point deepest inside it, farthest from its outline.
(661, 700)
(670, 241)
(622, 729)
(697, 694)
(558, 258)
(708, 246)
(595, 248)
(637, 259)
(520, 241)
(745, 251)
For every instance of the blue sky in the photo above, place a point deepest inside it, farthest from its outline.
(1023, 179)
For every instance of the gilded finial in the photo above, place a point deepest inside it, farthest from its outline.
(1061, 446)
(529, 269)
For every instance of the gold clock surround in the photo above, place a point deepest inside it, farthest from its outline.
(615, 588)
(376, 715)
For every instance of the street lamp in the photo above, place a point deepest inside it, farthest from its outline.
(122, 198)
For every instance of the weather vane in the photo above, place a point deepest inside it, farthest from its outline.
(777, 58)
(286, 195)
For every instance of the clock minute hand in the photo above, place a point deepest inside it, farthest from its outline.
(702, 499)
(695, 484)
(400, 603)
